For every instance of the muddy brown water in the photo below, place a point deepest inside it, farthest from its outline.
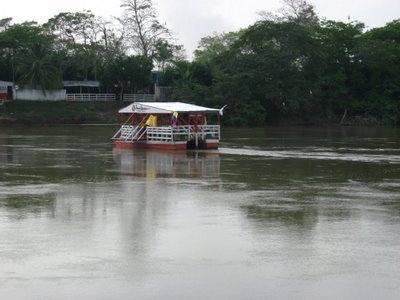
(275, 213)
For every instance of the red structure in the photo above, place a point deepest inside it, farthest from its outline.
(5, 90)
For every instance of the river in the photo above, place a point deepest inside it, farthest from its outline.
(275, 213)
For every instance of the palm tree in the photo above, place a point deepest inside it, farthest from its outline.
(38, 70)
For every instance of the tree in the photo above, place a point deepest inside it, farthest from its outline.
(15, 41)
(38, 69)
(5, 24)
(144, 31)
(273, 65)
(6, 65)
(127, 73)
(298, 11)
(167, 53)
(378, 59)
(113, 37)
(74, 28)
(335, 86)
(80, 41)
(212, 46)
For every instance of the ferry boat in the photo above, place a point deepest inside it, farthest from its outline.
(168, 125)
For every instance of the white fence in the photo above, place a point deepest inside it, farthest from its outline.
(91, 97)
(139, 97)
(110, 97)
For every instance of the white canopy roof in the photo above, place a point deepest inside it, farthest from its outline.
(164, 108)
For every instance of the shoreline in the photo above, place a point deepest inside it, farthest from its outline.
(59, 113)
(50, 113)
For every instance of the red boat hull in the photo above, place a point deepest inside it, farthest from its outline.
(181, 145)
(151, 145)
(209, 144)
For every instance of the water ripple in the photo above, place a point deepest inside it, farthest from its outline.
(317, 155)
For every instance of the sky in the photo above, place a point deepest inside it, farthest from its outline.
(191, 20)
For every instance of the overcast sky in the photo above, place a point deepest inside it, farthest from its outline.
(193, 19)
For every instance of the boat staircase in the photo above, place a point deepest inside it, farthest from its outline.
(129, 133)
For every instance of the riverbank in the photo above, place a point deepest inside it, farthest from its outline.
(59, 112)
(65, 112)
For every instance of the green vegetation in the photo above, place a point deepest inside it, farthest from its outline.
(60, 112)
(295, 68)
(289, 67)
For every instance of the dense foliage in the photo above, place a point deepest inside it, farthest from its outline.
(120, 52)
(295, 68)
(289, 72)
(288, 67)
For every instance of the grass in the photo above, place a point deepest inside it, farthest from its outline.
(60, 112)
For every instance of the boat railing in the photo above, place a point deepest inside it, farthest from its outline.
(209, 131)
(189, 132)
(160, 133)
(183, 132)
(168, 133)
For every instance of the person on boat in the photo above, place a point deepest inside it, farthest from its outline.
(151, 121)
(174, 118)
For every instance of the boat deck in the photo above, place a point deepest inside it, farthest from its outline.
(168, 137)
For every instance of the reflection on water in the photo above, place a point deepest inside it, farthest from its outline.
(31, 201)
(156, 163)
(296, 213)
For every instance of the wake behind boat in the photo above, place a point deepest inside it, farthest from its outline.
(167, 125)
